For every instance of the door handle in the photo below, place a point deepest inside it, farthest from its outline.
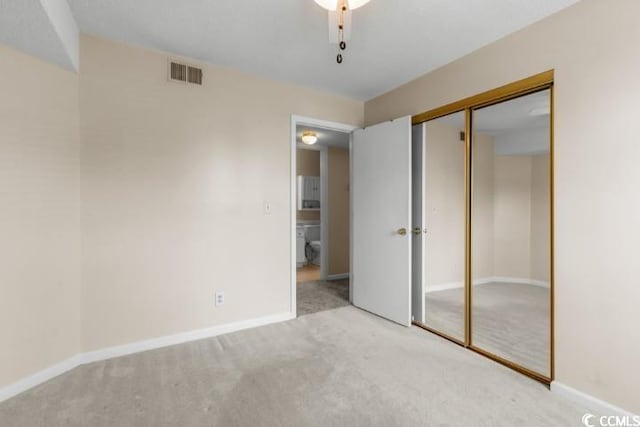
(417, 230)
(402, 231)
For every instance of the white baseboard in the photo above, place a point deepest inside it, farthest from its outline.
(39, 377)
(521, 281)
(457, 285)
(122, 350)
(444, 287)
(338, 276)
(183, 337)
(600, 407)
(485, 280)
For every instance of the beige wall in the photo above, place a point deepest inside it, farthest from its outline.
(512, 216)
(39, 218)
(540, 218)
(521, 217)
(338, 165)
(444, 205)
(174, 183)
(483, 207)
(307, 164)
(596, 198)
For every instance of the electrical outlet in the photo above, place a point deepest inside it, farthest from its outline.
(219, 298)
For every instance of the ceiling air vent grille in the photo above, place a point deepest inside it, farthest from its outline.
(184, 73)
(195, 75)
(178, 72)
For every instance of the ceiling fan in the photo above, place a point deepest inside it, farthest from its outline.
(340, 21)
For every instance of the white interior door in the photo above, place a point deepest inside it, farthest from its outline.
(381, 219)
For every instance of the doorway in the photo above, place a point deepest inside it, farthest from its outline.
(379, 199)
(320, 215)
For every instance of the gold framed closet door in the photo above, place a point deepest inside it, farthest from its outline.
(510, 283)
(444, 204)
(478, 333)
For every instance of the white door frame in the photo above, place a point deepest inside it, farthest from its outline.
(324, 217)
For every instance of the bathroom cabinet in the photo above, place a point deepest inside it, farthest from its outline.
(308, 193)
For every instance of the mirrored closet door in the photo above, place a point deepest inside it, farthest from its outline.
(483, 224)
(511, 231)
(443, 228)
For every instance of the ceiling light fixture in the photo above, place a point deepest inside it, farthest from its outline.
(309, 137)
(340, 21)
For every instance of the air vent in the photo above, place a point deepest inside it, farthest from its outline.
(195, 75)
(178, 72)
(184, 73)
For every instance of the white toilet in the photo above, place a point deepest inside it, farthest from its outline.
(312, 237)
(315, 245)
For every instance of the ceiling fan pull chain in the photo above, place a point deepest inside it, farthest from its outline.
(342, 45)
(340, 13)
(341, 33)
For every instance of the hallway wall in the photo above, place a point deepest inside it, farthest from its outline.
(338, 165)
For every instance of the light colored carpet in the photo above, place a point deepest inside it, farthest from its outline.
(342, 367)
(510, 320)
(444, 312)
(312, 297)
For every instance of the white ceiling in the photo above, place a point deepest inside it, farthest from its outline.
(513, 115)
(326, 137)
(393, 41)
(517, 125)
(44, 29)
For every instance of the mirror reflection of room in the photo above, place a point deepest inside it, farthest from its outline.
(511, 231)
(444, 213)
